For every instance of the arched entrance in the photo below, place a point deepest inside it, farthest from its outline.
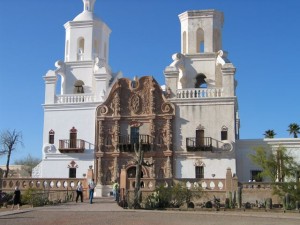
(131, 173)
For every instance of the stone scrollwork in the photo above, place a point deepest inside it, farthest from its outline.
(227, 146)
(178, 60)
(200, 127)
(166, 107)
(199, 162)
(103, 110)
(99, 63)
(49, 148)
(60, 67)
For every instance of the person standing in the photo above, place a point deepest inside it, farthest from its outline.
(92, 186)
(116, 190)
(79, 192)
(16, 198)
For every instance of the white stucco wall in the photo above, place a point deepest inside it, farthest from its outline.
(185, 167)
(211, 115)
(61, 120)
(57, 165)
(243, 163)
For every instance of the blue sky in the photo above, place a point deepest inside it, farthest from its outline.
(261, 36)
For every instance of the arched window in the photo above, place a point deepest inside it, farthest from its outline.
(134, 135)
(224, 133)
(200, 40)
(134, 82)
(72, 169)
(51, 136)
(73, 137)
(200, 81)
(80, 50)
(200, 139)
(199, 172)
(131, 172)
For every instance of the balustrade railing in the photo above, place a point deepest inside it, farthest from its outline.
(67, 145)
(8, 184)
(201, 144)
(208, 184)
(75, 98)
(200, 93)
(45, 190)
(127, 142)
(149, 184)
(258, 185)
(207, 144)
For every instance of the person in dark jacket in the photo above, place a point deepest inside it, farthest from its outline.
(16, 198)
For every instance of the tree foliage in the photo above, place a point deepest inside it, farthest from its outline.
(276, 165)
(280, 167)
(9, 140)
(29, 162)
(269, 134)
(294, 129)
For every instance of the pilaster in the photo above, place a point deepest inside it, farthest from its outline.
(50, 84)
(171, 78)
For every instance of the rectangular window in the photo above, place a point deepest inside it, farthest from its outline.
(51, 138)
(224, 135)
(134, 135)
(73, 139)
(199, 138)
(255, 175)
(72, 172)
(199, 171)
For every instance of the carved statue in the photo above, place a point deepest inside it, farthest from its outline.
(115, 105)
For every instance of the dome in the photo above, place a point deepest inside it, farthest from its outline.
(86, 16)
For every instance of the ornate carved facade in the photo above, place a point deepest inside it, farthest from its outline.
(135, 112)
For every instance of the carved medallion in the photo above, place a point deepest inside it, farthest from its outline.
(135, 103)
(103, 110)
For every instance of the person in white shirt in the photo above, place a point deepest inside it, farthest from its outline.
(79, 192)
(92, 186)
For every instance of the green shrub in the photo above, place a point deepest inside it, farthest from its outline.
(34, 197)
(174, 197)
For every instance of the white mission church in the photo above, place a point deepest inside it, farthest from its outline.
(188, 130)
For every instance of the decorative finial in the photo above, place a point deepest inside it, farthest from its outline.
(88, 5)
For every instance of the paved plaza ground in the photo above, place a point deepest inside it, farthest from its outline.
(107, 212)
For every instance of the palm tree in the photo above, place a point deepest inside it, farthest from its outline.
(294, 129)
(269, 134)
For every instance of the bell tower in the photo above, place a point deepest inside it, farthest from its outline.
(87, 37)
(73, 91)
(201, 31)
